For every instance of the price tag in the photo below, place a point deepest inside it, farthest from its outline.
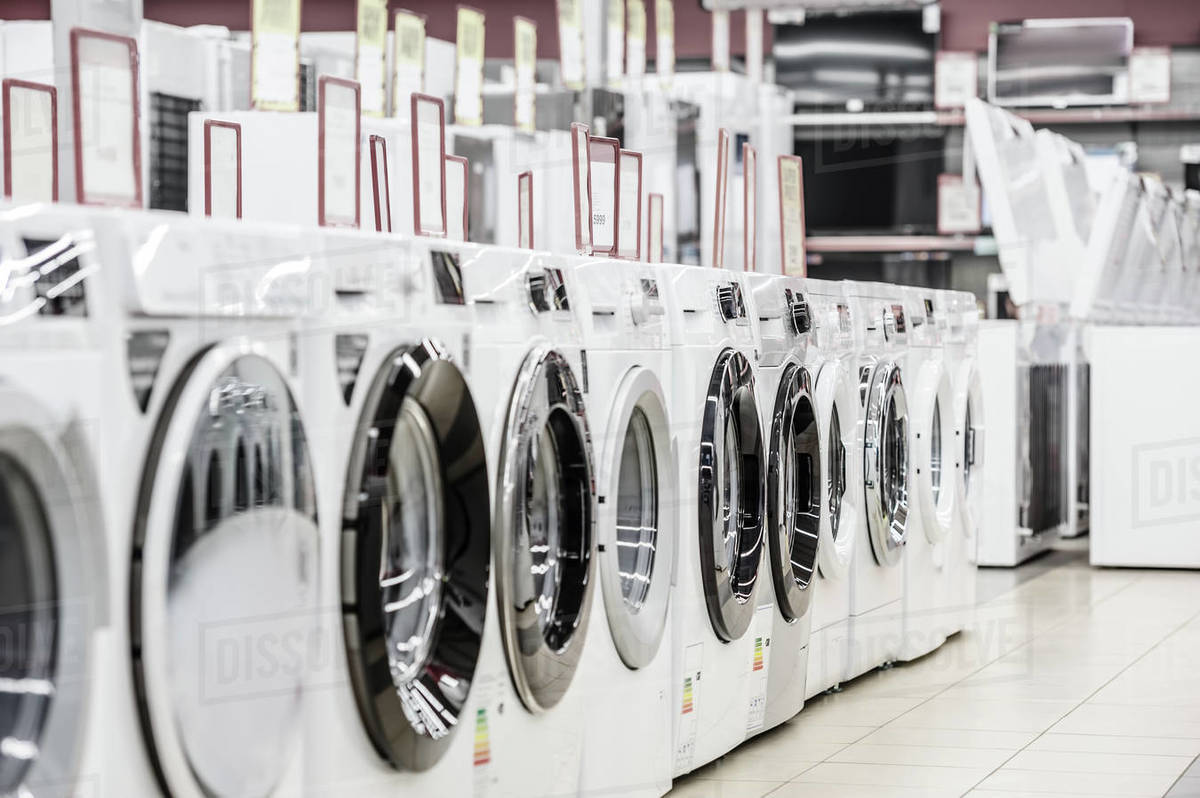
(958, 204)
(616, 42)
(749, 208)
(760, 664)
(525, 210)
(468, 81)
(428, 126)
(1150, 75)
(582, 179)
(370, 58)
(408, 60)
(525, 97)
(222, 169)
(720, 41)
(718, 256)
(791, 216)
(955, 79)
(381, 184)
(664, 26)
(30, 141)
(570, 43)
(754, 44)
(635, 38)
(687, 724)
(629, 206)
(654, 243)
(275, 55)
(339, 119)
(108, 159)
(604, 154)
(458, 195)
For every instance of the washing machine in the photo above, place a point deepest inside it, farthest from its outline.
(787, 375)
(930, 606)
(54, 584)
(882, 445)
(836, 401)
(625, 674)
(718, 630)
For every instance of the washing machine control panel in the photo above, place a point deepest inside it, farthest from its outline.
(548, 291)
(797, 312)
(731, 303)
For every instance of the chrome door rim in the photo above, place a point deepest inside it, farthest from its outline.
(886, 462)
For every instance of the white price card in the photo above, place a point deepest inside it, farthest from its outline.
(635, 38)
(428, 126)
(525, 210)
(1150, 75)
(720, 41)
(381, 184)
(958, 208)
(654, 221)
(108, 159)
(468, 74)
(629, 206)
(338, 129)
(370, 62)
(604, 154)
(525, 61)
(581, 174)
(570, 43)
(275, 55)
(791, 216)
(664, 28)
(749, 208)
(222, 169)
(408, 60)
(615, 56)
(458, 197)
(955, 79)
(30, 135)
(718, 255)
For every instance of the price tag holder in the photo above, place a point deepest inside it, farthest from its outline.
(108, 156)
(615, 58)
(749, 208)
(604, 154)
(381, 185)
(654, 243)
(958, 204)
(525, 210)
(370, 55)
(720, 41)
(570, 43)
(791, 216)
(1150, 75)
(30, 137)
(428, 126)
(525, 96)
(408, 59)
(581, 172)
(629, 206)
(275, 55)
(222, 169)
(955, 79)
(468, 76)
(718, 255)
(635, 38)
(339, 120)
(458, 197)
(664, 28)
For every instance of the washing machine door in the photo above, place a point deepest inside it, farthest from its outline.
(935, 452)
(885, 462)
(794, 484)
(836, 401)
(637, 519)
(543, 535)
(968, 412)
(223, 579)
(732, 496)
(416, 549)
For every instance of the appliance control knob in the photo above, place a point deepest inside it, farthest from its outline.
(729, 301)
(798, 314)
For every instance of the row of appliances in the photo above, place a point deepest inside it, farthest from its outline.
(302, 511)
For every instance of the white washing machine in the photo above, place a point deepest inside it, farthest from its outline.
(877, 573)
(406, 519)
(930, 607)
(718, 630)
(787, 375)
(625, 675)
(837, 404)
(962, 340)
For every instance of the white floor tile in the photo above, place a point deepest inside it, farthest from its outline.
(924, 777)
(1138, 764)
(1015, 714)
(936, 756)
(1057, 782)
(1106, 744)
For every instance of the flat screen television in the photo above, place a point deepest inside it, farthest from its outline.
(879, 60)
(1060, 62)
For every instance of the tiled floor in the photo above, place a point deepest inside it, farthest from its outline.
(1070, 681)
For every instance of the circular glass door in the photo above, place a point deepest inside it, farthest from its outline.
(794, 484)
(417, 538)
(544, 530)
(885, 463)
(732, 496)
(637, 512)
(224, 579)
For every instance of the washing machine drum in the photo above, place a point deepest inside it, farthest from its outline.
(417, 543)
(543, 533)
(224, 579)
(731, 496)
(794, 484)
(885, 462)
